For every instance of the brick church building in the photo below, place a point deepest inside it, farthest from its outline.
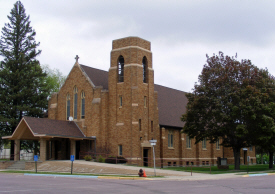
(118, 112)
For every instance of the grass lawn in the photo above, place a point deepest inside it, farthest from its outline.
(215, 170)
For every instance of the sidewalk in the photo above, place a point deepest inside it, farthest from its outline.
(80, 166)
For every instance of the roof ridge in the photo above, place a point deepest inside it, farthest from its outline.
(94, 68)
(154, 83)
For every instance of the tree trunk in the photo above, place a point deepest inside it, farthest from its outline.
(271, 160)
(237, 152)
(262, 158)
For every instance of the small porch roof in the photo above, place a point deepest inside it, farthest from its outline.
(30, 128)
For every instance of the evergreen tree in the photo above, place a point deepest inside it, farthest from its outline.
(23, 88)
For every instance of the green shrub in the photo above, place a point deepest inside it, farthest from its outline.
(116, 160)
(88, 157)
(265, 158)
(101, 159)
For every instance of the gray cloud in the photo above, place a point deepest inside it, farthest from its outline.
(181, 32)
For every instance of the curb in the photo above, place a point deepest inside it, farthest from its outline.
(58, 175)
(262, 174)
(83, 176)
(123, 178)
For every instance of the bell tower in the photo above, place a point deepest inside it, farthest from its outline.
(133, 114)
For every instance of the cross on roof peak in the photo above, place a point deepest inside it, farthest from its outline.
(76, 58)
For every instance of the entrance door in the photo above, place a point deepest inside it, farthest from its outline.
(244, 157)
(145, 157)
(56, 148)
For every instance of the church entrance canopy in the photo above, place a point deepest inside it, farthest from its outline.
(49, 132)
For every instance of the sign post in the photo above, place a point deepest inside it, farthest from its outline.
(153, 143)
(248, 158)
(72, 159)
(244, 154)
(35, 158)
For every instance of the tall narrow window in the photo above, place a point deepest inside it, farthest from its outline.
(68, 107)
(218, 144)
(152, 126)
(120, 150)
(145, 101)
(75, 102)
(188, 142)
(145, 69)
(120, 69)
(170, 138)
(204, 143)
(139, 124)
(120, 101)
(83, 105)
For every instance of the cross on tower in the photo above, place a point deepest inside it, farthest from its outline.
(76, 58)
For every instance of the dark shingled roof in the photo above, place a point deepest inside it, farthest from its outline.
(97, 76)
(171, 103)
(53, 127)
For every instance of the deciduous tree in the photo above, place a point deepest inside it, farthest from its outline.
(231, 100)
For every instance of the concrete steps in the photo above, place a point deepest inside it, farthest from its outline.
(18, 165)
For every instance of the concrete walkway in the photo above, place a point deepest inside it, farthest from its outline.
(81, 166)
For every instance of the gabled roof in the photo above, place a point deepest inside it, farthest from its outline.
(171, 103)
(53, 127)
(97, 76)
(33, 128)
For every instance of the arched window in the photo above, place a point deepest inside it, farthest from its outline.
(120, 69)
(145, 70)
(75, 102)
(68, 106)
(83, 105)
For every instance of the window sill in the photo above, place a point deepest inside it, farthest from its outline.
(171, 148)
(188, 148)
(204, 149)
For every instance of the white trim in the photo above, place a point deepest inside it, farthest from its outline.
(134, 104)
(111, 68)
(133, 65)
(53, 105)
(96, 101)
(128, 47)
(119, 124)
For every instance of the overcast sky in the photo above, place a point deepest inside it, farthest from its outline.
(181, 32)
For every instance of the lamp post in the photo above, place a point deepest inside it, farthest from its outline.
(153, 143)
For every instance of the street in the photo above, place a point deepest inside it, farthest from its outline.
(19, 183)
